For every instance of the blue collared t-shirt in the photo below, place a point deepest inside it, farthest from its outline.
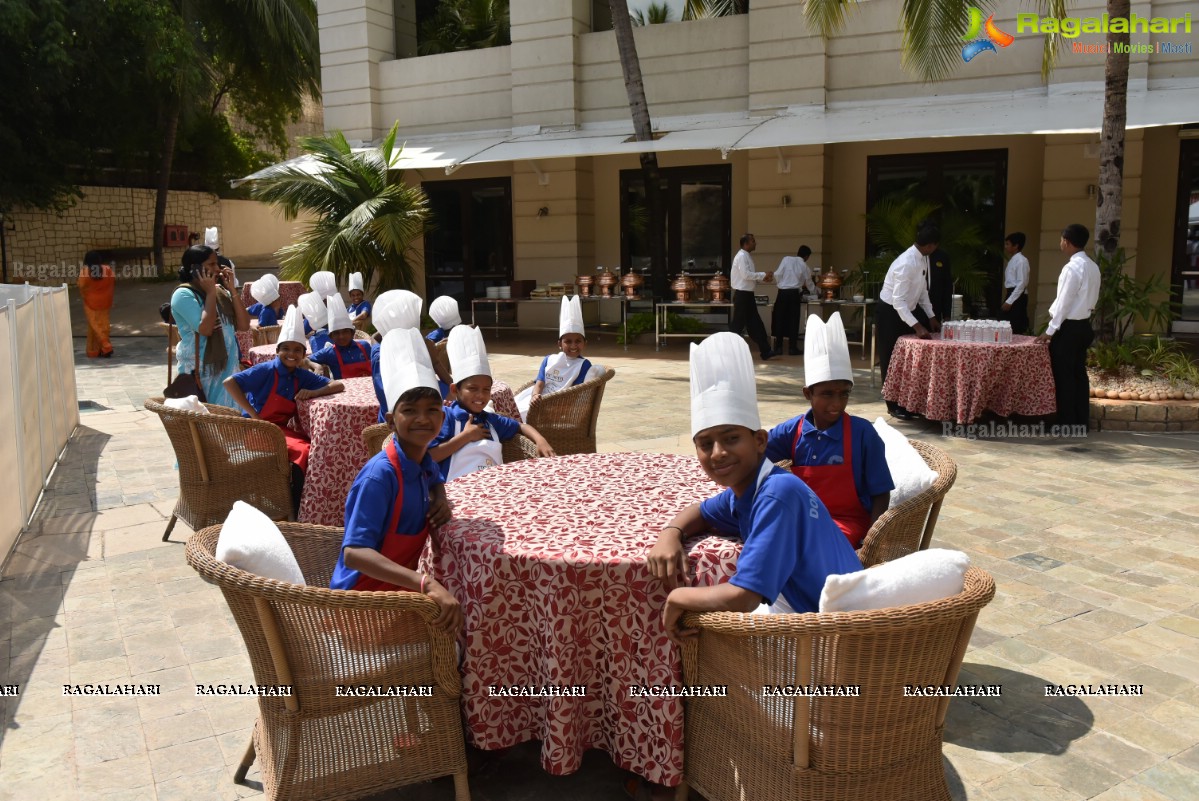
(258, 381)
(791, 544)
(505, 428)
(370, 502)
(358, 308)
(350, 355)
(266, 316)
(817, 448)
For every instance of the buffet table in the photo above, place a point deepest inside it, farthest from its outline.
(495, 303)
(547, 557)
(957, 381)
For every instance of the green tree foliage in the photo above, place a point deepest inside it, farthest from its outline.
(365, 217)
(653, 14)
(465, 25)
(705, 9)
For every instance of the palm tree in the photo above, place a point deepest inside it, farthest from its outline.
(704, 9)
(654, 14)
(465, 25)
(365, 217)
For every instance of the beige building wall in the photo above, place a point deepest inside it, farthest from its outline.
(252, 231)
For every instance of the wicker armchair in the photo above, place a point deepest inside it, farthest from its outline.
(567, 418)
(315, 744)
(441, 357)
(909, 526)
(224, 457)
(265, 334)
(880, 745)
(515, 449)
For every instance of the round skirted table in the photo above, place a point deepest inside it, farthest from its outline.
(334, 423)
(957, 381)
(264, 353)
(548, 559)
(289, 291)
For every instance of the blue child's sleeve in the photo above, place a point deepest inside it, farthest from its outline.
(781, 439)
(267, 316)
(505, 427)
(717, 512)
(541, 370)
(771, 550)
(310, 380)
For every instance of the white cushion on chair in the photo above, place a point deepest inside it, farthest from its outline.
(913, 579)
(909, 471)
(189, 404)
(251, 542)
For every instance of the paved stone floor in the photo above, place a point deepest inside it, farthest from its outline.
(1094, 545)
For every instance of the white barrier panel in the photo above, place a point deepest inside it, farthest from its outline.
(10, 524)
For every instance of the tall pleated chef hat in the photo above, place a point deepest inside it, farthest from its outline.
(404, 364)
(723, 388)
(396, 308)
(313, 309)
(265, 290)
(570, 317)
(292, 329)
(339, 318)
(212, 238)
(444, 311)
(324, 283)
(356, 282)
(468, 354)
(826, 351)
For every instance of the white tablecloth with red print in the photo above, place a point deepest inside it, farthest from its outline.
(958, 381)
(335, 423)
(547, 557)
(290, 291)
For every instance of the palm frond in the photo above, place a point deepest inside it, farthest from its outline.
(827, 17)
(1052, 43)
(932, 32)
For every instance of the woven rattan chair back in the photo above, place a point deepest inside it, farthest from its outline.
(568, 418)
(878, 745)
(909, 526)
(319, 742)
(266, 334)
(224, 457)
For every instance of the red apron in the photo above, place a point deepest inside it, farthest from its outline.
(360, 369)
(835, 486)
(279, 410)
(403, 549)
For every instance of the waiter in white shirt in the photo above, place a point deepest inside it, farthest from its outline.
(792, 277)
(1015, 283)
(743, 280)
(905, 288)
(1069, 331)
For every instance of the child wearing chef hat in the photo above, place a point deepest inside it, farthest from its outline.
(360, 307)
(841, 457)
(567, 367)
(398, 309)
(471, 438)
(316, 317)
(791, 545)
(345, 356)
(323, 283)
(269, 391)
(268, 304)
(444, 311)
(399, 493)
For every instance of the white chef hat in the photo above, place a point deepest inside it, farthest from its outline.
(339, 318)
(324, 283)
(355, 282)
(292, 329)
(396, 308)
(265, 290)
(404, 364)
(314, 309)
(723, 388)
(468, 354)
(570, 317)
(826, 351)
(444, 311)
(212, 238)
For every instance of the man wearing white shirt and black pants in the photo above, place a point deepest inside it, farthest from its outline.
(905, 288)
(1015, 283)
(743, 279)
(1069, 331)
(792, 277)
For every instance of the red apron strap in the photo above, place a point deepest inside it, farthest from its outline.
(403, 549)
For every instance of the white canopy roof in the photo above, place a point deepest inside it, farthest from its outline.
(1057, 110)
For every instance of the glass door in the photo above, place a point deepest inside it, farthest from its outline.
(1185, 275)
(468, 246)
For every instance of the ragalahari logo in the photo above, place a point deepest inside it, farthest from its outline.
(982, 36)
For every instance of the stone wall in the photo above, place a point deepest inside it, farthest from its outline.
(1118, 415)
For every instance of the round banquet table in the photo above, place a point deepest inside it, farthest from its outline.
(264, 353)
(957, 381)
(334, 423)
(547, 557)
(289, 291)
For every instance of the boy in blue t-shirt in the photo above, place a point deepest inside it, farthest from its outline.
(791, 545)
(345, 356)
(360, 307)
(269, 305)
(444, 311)
(399, 494)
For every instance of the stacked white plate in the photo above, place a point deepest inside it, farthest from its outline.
(505, 292)
(493, 292)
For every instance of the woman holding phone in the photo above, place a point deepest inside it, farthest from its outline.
(209, 315)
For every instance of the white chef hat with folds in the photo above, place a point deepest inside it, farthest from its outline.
(444, 311)
(723, 388)
(292, 329)
(324, 283)
(356, 282)
(339, 317)
(212, 238)
(826, 351)
(570, 317)
(404, 364)
(313, 309)
(468, 354)
(265, 290)
(396, 308)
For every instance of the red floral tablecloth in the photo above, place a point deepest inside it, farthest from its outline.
(547, 557)
(290, 291)
(503, 401)
(335, 423)
(957, 381)
(264, 353)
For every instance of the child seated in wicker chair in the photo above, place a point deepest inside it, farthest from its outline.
(567, 367)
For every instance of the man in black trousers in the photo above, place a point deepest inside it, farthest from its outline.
(743, 278)
(1069, 331)
(904, 289)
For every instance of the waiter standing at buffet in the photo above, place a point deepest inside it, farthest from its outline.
(1069, 331)
(905, 288)
(743, 279)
